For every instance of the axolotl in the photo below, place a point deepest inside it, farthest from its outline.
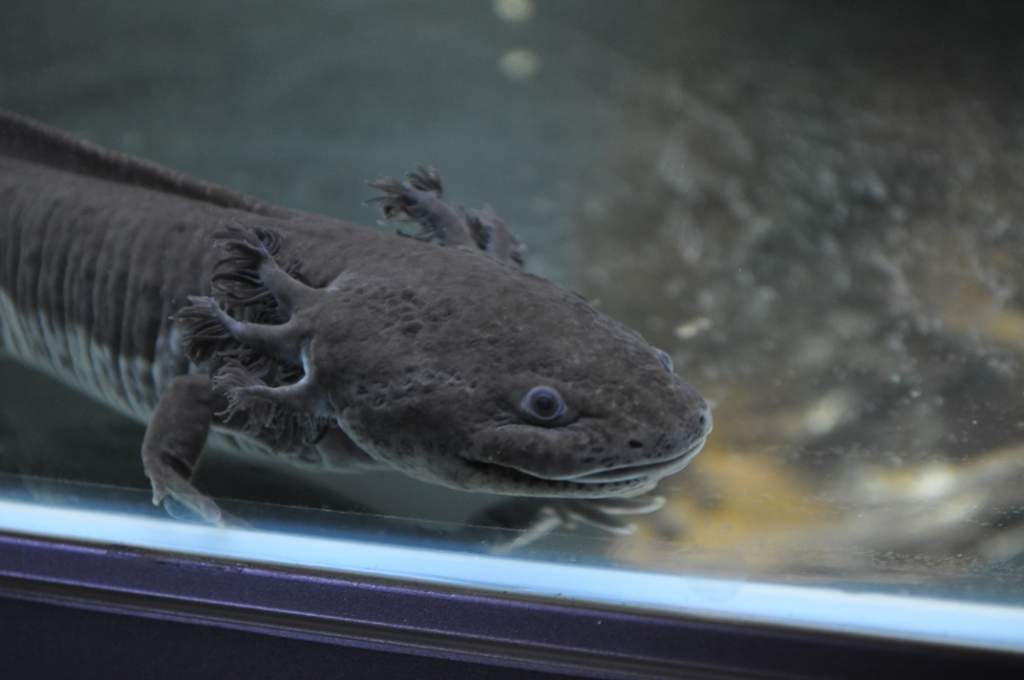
(210, 315)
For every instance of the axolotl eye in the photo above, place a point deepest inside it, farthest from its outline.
(665, 359)
(543, 405)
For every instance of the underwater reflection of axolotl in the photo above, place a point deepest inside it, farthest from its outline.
(282, 333)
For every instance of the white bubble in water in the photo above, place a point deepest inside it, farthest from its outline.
(519, 64)
(691, 329)
(514, 10)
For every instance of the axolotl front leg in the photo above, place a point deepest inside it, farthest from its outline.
(177, 432)
(174, 440)
(420, 198)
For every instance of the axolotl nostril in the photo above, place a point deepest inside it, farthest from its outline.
(211, 315)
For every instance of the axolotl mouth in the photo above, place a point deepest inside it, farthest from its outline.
(625, 480)
(521, 458)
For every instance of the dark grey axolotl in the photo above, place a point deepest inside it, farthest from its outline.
(209, 314)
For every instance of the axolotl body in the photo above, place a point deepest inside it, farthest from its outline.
(208, 314)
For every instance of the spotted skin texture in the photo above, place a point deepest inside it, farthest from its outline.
(329, 344)
(447, 408)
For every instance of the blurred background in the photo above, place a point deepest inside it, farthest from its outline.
(816, 208)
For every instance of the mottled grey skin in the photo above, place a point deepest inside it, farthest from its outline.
(360, 349)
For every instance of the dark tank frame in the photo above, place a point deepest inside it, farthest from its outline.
(83, 610)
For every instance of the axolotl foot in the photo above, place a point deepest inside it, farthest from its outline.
(533, 519)
(419, 198)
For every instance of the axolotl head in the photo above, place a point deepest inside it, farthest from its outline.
(466, 372)
(469, 373)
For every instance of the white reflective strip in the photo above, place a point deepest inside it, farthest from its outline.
(818, 608)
